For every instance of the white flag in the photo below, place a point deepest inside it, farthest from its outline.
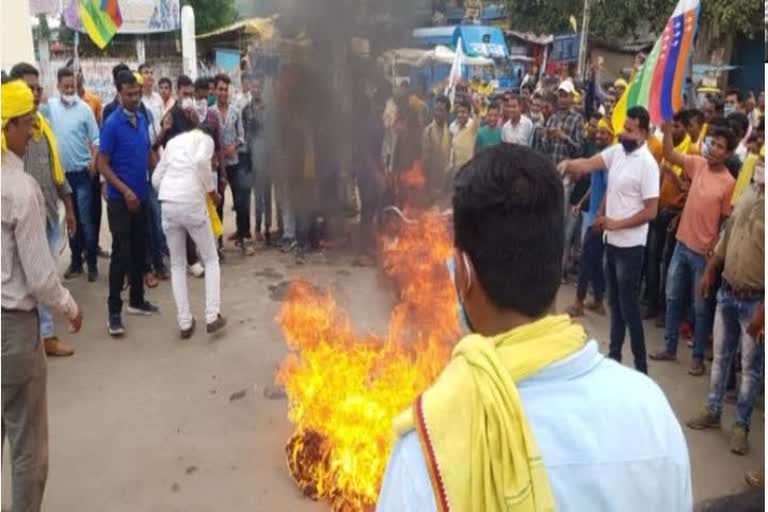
(456, 75)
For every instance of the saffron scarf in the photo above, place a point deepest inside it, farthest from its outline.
(475, 437)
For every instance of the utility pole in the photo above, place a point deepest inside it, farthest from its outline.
(583, 41)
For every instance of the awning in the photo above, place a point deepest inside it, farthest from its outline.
(263, 27)
(530, 37)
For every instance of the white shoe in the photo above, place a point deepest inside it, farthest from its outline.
(196, 269)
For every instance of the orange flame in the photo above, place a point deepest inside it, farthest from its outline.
(344, 389)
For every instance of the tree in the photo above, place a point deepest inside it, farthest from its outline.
(617, 19)
(212, 14)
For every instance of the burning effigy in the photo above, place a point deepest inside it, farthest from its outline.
(344, 388)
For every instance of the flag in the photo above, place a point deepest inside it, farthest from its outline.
(456, 75)
(659, 83)
(100, 19)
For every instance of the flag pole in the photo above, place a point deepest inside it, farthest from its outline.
(583, 41)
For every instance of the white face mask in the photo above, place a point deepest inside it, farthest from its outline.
(759, 175)
(68, 98)
(187, 103)
(201, 107)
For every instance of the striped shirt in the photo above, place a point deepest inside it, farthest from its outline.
(37, 162)
(29, 272)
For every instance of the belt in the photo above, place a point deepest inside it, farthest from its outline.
(15, 311)
(743, 292)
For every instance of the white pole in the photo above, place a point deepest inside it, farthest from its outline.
(188, 43)
(583, 41)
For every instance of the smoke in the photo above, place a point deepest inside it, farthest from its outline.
(324, 95)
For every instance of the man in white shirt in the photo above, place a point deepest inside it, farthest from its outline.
(632, 200)
(151, 100)
(519, 128)
(184, 181)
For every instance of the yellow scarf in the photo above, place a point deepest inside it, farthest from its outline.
(683, 149)
(476, 440)
(16, 100)
(44, 129)
(216, 226)
(745, 174)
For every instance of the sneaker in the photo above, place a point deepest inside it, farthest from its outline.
(245, 248)
(287, 245)
(57, 348)
(697, 368)
(216, 325)
(187, 333)
(739, 442)
(755, 478)
(147, 308)
(93, 275)
(704, 421)
(73, 272)
(197, 269)
(116, 326)
(662, 355)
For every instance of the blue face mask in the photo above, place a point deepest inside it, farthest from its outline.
(464, 320)
(728, 110)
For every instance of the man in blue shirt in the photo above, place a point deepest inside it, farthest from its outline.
(591, 267)
(77, 135)
(600, 449)
(124, 157)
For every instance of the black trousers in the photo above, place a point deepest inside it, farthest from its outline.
(128, 251)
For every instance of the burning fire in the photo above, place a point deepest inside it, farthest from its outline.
(345, 388)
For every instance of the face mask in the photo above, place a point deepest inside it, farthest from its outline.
(728, 110)
(211, 99)
(68, 98)
(759, 175)
(187, 103)
(464, 320)
(201, 107)
(629, 145)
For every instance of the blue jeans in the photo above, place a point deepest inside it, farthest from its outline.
(731, 320)
(684, 274)
(155, 242)
(53, 233)
(591, 267)
(623, 269)
(86, 236)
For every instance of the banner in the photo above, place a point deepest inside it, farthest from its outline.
(658, 84)
(139, 16)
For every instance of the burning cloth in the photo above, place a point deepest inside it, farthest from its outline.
(476, 440)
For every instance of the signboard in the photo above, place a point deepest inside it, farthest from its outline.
(139, 16)
(492, 50)
(565, 48)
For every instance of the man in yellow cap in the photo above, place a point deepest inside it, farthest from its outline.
(42, 162)
(29, 278)
(620, 85)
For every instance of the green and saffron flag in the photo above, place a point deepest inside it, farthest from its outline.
(101, 20)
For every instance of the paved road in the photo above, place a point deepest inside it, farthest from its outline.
(153, 423)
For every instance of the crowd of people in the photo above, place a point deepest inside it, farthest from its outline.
(666, 222)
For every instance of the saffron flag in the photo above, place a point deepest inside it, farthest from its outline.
(101, 19)
(658, 84)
